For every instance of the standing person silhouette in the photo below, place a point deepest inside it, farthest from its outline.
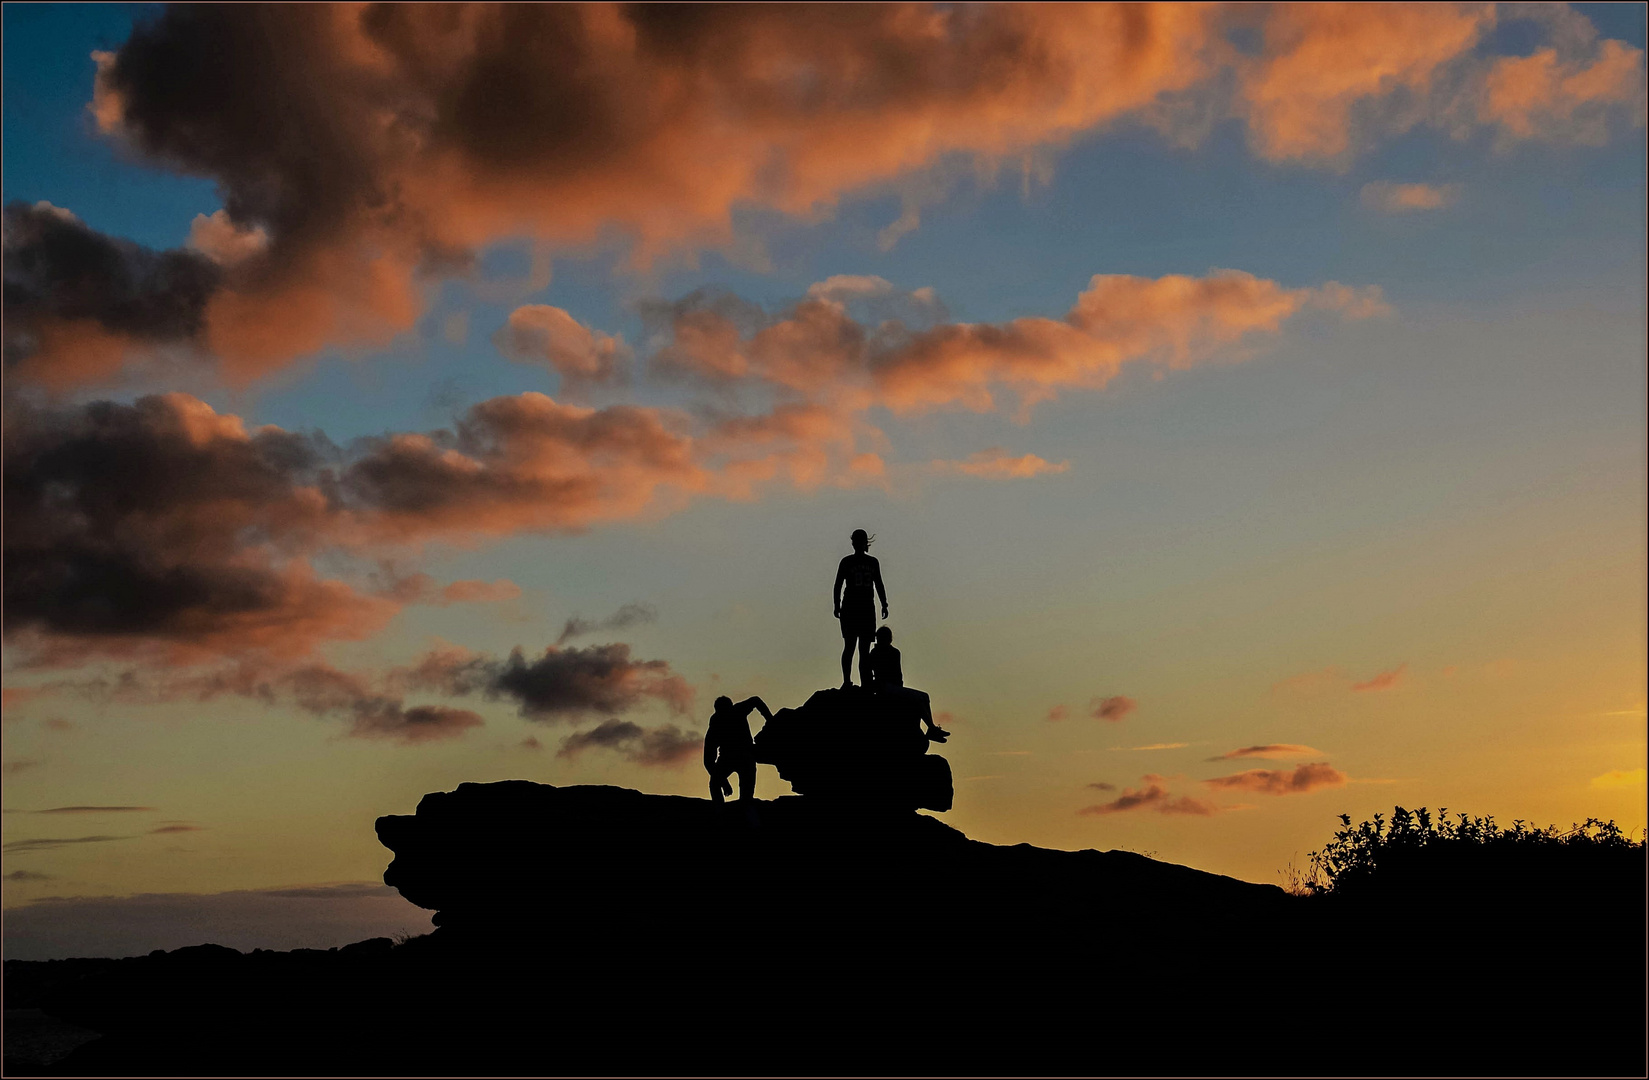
(855, 606)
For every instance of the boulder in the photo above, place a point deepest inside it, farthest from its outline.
(853, 746)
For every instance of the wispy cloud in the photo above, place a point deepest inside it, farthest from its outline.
(1621, 778)
(1151, 797)
(21, 847)
(28, 875)
(1153, 746)
(629, 615)
(1267, 751)
(1392, 198)
(1302, 779)
(1385, 680)
(97, 810)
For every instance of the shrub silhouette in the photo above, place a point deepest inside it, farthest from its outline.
(1415, 846)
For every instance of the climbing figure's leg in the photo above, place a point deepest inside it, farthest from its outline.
(747, 782)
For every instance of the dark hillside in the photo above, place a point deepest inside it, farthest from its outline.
(600, 930)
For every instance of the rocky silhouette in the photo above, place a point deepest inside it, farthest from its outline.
(601, 930)
(854, 746)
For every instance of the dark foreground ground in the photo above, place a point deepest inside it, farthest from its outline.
(598, 930)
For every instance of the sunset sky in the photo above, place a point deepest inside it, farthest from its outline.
(1248, 403)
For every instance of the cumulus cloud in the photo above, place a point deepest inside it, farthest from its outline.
(1333, 79)
(560, 684)
(1112, 708)
(1303, 778)
(359, 149)
(628, 615)
(1266, 751)
(76, 300)
(666, 745)
(1151, 796)
(1393, 198)
(541, 334)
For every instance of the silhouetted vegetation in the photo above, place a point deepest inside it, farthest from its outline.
(1414, 842)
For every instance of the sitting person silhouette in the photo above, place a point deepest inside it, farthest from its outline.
(887, 679)
(855, 604)
(728, 748)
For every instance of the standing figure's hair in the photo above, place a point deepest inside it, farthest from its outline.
(860, 536)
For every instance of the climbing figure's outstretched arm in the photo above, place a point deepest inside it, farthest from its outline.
(758, 704)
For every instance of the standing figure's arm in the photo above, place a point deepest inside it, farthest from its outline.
(836, 589)
(880, 590)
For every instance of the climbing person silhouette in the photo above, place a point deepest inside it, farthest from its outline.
(887, 679)
(728, 748)
(855, 605)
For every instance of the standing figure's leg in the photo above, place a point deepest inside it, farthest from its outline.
(864, 659)
(847, 662)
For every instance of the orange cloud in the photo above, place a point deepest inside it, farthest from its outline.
(1323, 63)
(1304, 778)
(478, 592)
(13, 696)
(1544, 95)
(1173, 321)
(1391, 198)
(541, 334)
(418, 136)
(1058, 713)
(1385, 680)
(995, 464)
(363, 150)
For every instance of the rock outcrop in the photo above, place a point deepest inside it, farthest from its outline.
(486, 855)
(597, 930)
(850, 745)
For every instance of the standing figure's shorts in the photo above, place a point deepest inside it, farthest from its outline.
(858, 624)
